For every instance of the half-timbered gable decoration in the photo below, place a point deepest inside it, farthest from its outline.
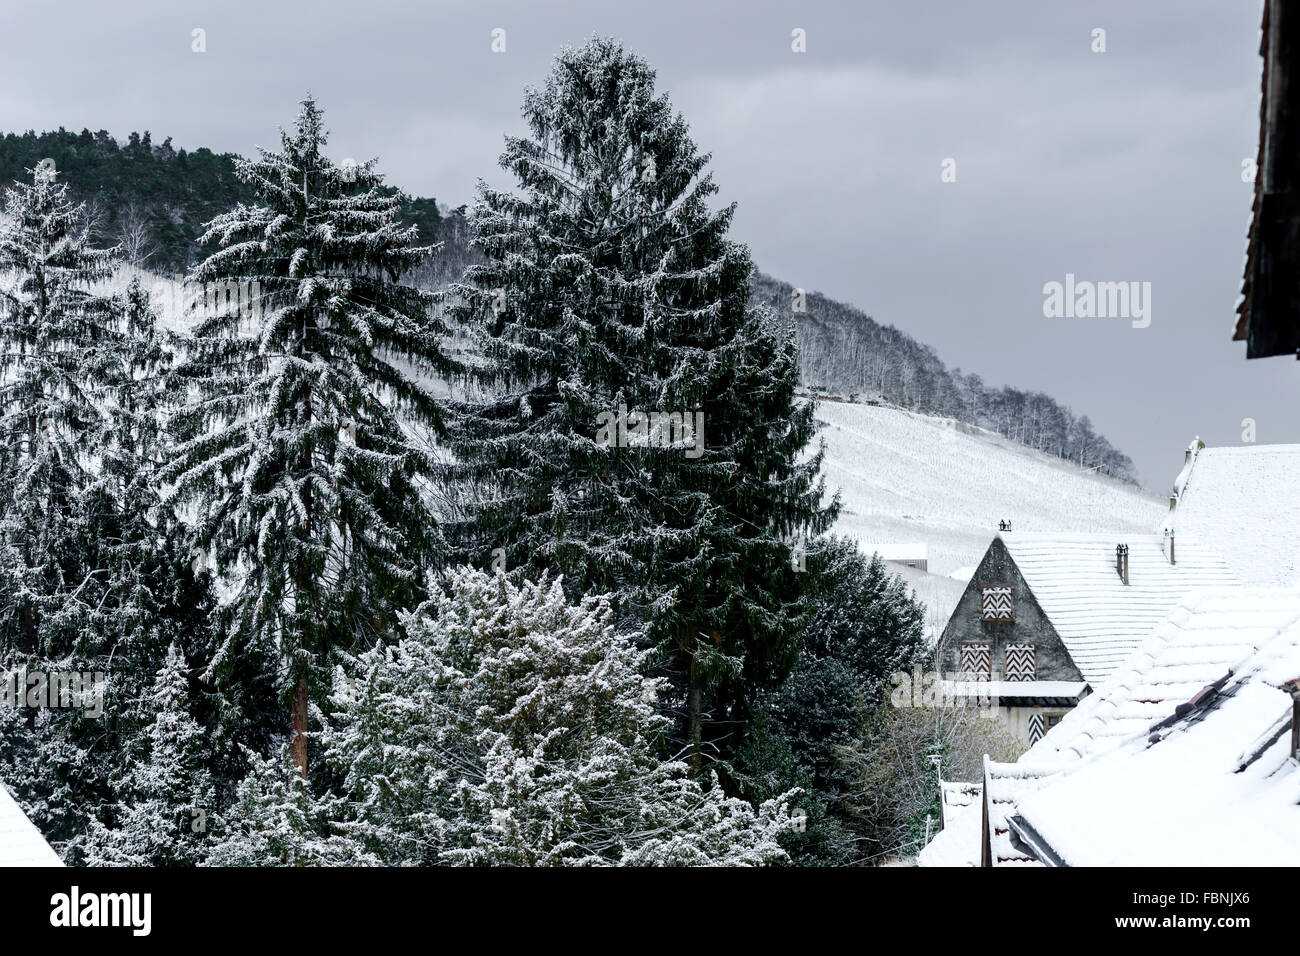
(976, 661)
(1035, 728)
(997, 604)
(1020, 662)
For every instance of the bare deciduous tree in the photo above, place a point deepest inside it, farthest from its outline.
(897, 779)
(135, 237)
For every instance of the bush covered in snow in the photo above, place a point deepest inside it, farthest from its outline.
(513, 727)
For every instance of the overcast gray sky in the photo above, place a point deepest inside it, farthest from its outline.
(1122, 165)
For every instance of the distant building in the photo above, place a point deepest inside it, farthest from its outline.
(21, 844)
(1244, 501)
(1190, 756)
(908, 555)
(1216, 646)
(1045, 619)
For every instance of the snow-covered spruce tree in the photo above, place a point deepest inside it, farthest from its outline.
(155, 600)
(58, 338)
(164, 798)
(151, 601)
(513, 727)
(610, 282)
(90, 577)
(276, 820)
(293, 451)
(737, 620)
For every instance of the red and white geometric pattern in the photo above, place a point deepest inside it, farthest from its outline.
(1020, 662)
(976, 662)
(997, 604)
(1035, 728)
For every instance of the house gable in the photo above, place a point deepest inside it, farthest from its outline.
(1105, 592)
(999, 609)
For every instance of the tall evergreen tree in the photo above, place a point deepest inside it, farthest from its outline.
(611, 283)
(154, 612)
(90, 579)
(738, 620)
(153, 598)
(58, 338)
(294, 452)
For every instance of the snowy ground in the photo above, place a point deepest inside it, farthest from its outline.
(907, 478)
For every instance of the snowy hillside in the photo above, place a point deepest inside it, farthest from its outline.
(910, 479)
(907, 478)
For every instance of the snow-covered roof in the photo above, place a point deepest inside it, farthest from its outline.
(21, 844)
(1005, 786)
(1204, 636)
(958, 843)
(955, 795)
(1214, 785)
(896, 551)
(1245, 502)
(1101, 619)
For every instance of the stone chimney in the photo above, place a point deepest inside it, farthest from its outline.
(1121, 562)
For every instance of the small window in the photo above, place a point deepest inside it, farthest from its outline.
(997, 604)
(1036, 730)
(976, 661)
(1052, 720)
(1020, 662)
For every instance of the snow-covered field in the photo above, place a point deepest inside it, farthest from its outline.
(908, 478)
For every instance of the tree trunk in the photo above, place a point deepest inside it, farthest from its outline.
(298, 743)
(306, 638)
(693, 709)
